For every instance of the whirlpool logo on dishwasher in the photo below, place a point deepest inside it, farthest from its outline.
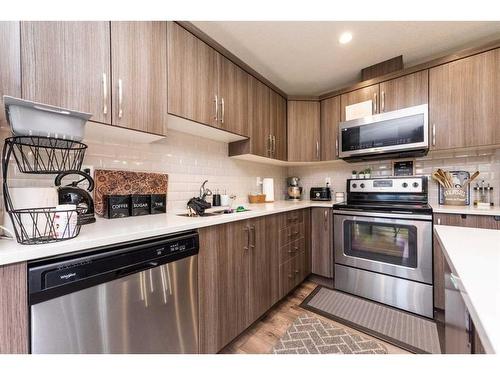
(67, 276)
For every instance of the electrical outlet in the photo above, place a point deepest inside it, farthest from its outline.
(259, 181)
(90, 169)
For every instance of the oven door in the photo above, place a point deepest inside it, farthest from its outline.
(398, 247)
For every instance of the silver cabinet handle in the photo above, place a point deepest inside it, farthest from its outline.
(120, 98)
(317, 150)
(382, 101)
(433, 134)
(336, 147)
(247, 230)
(439, 221)
(274, 146)
(216, 116)
(268, 145)
(104, 94)
(326, 220)
(222, 110)
(375, 102)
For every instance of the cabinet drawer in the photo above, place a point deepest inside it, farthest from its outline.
(291, 233)
(287, 252)
(291, 218)
(292, 273)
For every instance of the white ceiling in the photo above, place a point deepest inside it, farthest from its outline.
(306, 58)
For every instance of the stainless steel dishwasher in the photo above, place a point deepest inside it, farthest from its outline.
(139, 297)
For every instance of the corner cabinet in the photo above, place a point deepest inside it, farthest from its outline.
(139, 75)
(330, 119)
(67, 64)
(463, 102)
(304, 129)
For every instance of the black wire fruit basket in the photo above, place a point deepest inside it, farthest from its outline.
(42, 155)
(44, 225)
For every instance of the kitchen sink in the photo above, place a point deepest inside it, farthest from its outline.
(214, 213)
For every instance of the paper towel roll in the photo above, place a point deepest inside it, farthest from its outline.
(268, 189)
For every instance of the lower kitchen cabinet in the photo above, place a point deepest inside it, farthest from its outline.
(14, 309)
(242, 273)
(321, 242)
(471, 221)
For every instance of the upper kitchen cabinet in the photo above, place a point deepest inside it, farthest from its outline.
(205, 86)
(192, 77)
(303, 131)
(406, 91)
(330, 118)
(233, 97)
(10, 73)
(277, 107)
(358, 96)
(139, 75)
(67, 64)
(259, 118)
(463, 102)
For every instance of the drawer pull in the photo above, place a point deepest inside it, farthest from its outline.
(295, 233)
(296, 271)
(296, 248)
(290, 276)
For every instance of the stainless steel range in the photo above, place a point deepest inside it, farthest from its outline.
(383, 242)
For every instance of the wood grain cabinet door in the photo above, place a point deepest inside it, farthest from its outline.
(303, 122)
(278, 125)
(67, 64)
(330, 118)
(321, 244)
(192, 77)
(259, 117)
(263, 268)
(233, 97)
(10, 63)
(223, 266)
(406, 91)
(358, 96)
(139, 75)
(463, 101)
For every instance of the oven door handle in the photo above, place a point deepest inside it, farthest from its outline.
(382, 215)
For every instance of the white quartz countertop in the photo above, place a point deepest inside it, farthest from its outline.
(467, 210)
(474, 256)
(111, 231)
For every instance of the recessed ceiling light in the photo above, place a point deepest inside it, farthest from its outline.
(345, 37)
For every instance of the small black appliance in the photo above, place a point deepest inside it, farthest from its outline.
(72, 194)
(320, 194)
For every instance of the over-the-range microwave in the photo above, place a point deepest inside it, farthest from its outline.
(401, 133)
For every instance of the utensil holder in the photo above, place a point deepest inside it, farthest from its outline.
(455, 197)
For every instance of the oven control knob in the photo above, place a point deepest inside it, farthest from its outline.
(362, 186)
(354, 186)
(405, 185)
(415, 184)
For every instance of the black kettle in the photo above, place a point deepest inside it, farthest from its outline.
(72, 194)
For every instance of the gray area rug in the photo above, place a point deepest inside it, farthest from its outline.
(310, 335)
(408, 331)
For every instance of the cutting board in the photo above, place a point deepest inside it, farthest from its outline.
(108, 182)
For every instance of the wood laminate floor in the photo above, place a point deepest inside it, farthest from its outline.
(265, 333)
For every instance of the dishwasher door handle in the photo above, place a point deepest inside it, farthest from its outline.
(136, 268)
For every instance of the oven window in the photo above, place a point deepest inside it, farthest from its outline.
(387, 243)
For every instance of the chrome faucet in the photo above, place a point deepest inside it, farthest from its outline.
(204, 192)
